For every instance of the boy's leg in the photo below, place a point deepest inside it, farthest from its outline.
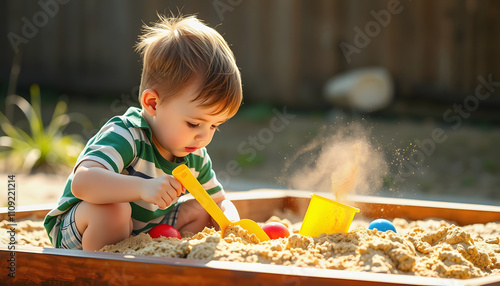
(103, 224)
(192, 217)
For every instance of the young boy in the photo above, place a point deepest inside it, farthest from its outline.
(122, 183)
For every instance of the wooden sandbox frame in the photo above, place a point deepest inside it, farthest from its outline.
(38, 265)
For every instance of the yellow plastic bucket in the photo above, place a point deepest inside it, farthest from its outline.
(326, 216)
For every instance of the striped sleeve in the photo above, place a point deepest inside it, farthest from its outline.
(114, 146)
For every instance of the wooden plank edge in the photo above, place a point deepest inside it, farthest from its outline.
(28, 208)
(383, 207)
(483, 281)
(296, 200)
(275, 193)
(21, 212)
(258, 194)
(368, 199)
(290, 273)
(424, 203)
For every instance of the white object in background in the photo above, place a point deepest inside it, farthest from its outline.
(367, 89)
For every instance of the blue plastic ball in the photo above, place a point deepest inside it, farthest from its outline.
(382, 225)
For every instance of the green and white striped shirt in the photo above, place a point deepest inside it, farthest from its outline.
(124, 145)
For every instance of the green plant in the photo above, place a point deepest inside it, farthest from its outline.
(41, 147)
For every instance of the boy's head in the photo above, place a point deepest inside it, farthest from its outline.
(176, 51)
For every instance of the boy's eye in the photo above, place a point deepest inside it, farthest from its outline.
(216, 127)
(192, 125)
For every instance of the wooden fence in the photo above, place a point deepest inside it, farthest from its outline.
(286, 49)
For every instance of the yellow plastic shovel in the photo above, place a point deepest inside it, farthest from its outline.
(184, 175)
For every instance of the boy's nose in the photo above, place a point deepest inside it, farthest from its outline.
(202, 135)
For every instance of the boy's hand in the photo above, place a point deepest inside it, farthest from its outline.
(161, 191)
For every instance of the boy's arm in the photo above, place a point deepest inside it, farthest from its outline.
(94, 183)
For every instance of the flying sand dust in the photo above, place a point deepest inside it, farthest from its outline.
(343, 162)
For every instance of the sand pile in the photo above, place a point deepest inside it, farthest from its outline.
(27, 232)
(432, 248)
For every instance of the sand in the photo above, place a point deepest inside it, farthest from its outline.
(27, 232)
(432, 248)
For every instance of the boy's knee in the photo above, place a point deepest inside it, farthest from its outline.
(102, 224)
(112, 214)
(117, 212)
(119, 208)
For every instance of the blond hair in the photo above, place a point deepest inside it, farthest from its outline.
(176, 49)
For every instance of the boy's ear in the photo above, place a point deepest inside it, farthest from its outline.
(150, 100)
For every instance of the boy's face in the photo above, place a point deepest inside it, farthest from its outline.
(180, 126)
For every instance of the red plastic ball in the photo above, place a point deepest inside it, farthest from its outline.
(276, 230)
(164, 230)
